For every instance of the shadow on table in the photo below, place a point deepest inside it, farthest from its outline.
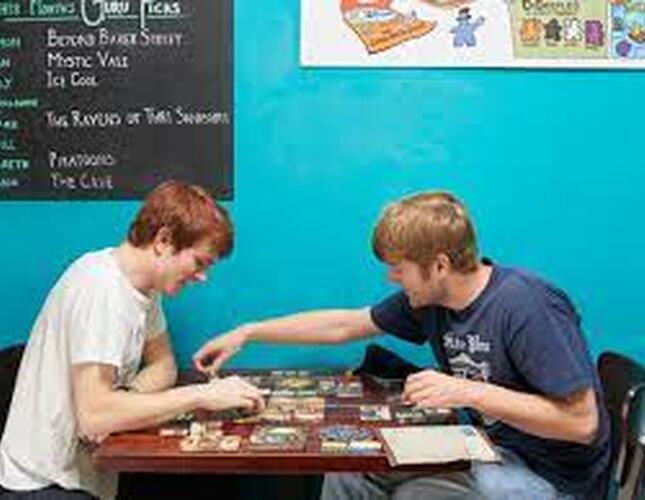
(209, 487)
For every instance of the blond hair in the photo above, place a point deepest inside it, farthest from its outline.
(420, 227)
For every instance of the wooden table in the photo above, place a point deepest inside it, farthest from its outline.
(146, 451)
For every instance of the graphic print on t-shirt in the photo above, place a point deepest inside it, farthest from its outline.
(467, 355)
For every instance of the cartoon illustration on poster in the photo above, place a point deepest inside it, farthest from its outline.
(627, 29)
(473, 33)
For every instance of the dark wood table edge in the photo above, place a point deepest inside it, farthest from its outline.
(263, 464)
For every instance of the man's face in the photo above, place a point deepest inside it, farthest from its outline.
(177, 269)
(422, 286)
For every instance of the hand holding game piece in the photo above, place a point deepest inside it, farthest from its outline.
(229, 392)
(216, 352)
(433, 389)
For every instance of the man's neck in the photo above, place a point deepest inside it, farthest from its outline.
(136, 266)
(465, 288)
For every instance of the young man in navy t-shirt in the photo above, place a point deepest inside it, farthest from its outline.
(510, 349)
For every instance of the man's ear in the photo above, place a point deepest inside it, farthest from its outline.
(162, 242)
(442, 263)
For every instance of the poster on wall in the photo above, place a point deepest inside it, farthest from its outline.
(473, 33)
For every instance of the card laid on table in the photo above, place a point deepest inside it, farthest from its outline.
(375, 413)
(211, 442)
(416, 415)
(348, 439)
(268, 437)
(349, 389)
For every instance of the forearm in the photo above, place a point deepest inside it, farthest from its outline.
(572, 419)
(115, 411)
(156, 377)
(315, 327)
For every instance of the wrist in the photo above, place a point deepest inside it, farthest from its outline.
(475, 394)
(247, 332)
(197, 395)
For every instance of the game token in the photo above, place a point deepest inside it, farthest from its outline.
(230, 443)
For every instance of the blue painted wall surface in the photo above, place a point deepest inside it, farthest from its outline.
(548, 162)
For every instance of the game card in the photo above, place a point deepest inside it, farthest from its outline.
(348, 439)
(278, 438)
(352, 389)
(375, 413)
(416, 415)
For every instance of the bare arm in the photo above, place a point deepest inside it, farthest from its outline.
(571, 418)
(101, 410)
(332, 326)
(160, 368)
(315, 327)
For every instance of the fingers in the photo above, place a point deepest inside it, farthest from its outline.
(203, 358)
(249, 394)
(418, 382)
(221, 358)
(210, 358)
(241, 401)
(253, 393)
(249, 401)
(429, 397)
(258, 403)
(437, 390)
(231, 392)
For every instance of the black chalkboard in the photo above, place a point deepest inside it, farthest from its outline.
(104, 99)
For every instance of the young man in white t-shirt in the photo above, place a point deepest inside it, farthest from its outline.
(81, 377)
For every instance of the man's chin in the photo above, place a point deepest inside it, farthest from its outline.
(416, 303)
(174, 290)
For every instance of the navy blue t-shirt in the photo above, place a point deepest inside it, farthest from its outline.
(523, 334)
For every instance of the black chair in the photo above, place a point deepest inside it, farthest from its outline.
(10, 358)
(630, 460)
(623, 381)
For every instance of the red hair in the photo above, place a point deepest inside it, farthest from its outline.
(188, 213)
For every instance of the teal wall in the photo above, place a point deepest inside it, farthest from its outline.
(548, 162)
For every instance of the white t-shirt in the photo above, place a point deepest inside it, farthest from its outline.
(92, 315)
